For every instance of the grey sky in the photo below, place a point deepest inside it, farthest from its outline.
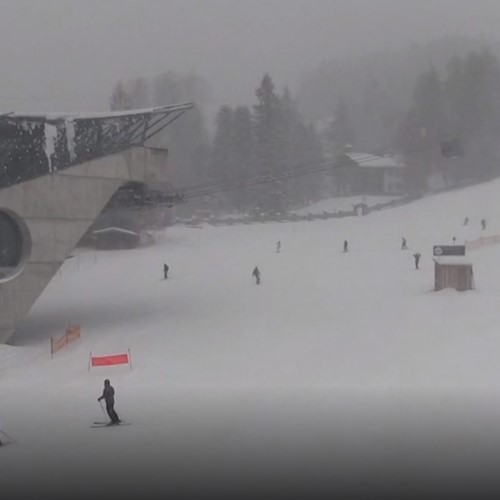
(66, 54)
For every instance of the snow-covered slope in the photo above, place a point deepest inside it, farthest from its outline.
(217, 359)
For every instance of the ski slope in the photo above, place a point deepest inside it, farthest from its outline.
(355, 343)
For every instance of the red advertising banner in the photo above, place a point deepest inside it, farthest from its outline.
(115, 359)
(110, 360)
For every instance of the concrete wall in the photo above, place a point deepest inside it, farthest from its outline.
(58, 209)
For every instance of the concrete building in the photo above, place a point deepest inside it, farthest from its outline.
(57, 173)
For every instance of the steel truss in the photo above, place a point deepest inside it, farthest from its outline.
(32, 145)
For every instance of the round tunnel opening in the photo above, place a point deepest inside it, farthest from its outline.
(15, 245)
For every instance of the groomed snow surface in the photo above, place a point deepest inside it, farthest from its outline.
(338, 365)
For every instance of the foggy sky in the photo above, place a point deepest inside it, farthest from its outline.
(65, 55)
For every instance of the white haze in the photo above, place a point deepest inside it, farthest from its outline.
(67, 54)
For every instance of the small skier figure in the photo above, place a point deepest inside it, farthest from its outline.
(165, 271)
(345, 246)
(483, 223)
(108, 394)
(403, 244)
(256, 274)
(416, 256)
(466, 221)
(454, 239)
(278, 247)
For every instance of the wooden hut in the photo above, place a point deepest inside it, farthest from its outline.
(360, 208)
(453, 272)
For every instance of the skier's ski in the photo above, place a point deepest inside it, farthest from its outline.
(108, 424)
(105, 423)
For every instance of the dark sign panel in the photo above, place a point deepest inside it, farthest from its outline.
(445, 250)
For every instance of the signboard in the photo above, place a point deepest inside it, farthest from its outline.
(445, 250)
(110, 359)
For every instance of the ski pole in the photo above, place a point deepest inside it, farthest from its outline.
(102, 408)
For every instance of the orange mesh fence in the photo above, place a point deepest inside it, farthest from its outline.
(72, 334)
(482, 242)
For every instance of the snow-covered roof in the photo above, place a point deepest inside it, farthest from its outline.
(115, 230)
(366, 160)
(453, 259)
(100, 115)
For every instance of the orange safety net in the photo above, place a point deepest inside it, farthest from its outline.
(72, 334)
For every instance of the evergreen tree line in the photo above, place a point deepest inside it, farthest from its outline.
(447, 130)
(262, 142)
(453, 125)
(451, 128)
(249, 143)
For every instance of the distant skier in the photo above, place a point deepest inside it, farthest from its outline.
(108, 394)
(466, 221)
(278, 247)
(454, 239)
(483, 224)
(416, 256)
(346, 245)
(403, 244)
(165, 271)
(256, 275)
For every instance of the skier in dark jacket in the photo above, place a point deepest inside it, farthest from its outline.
(346, 246)
(165, 271)
(403, 244)
(256, 274)
(108, 394)
(416, 256)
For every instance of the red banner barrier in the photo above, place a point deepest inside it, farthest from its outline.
(111, 359)
(115, 359)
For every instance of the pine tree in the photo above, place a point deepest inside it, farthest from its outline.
(243, 156)
(270, 145)
(424, 129)
(185, 137)
(302, 148)
(340, 132)
(120, 99)
(311, 186)
(473, 100)
(222, 155)
(139, 92)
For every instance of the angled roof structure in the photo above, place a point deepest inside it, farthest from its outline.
(35, 144)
